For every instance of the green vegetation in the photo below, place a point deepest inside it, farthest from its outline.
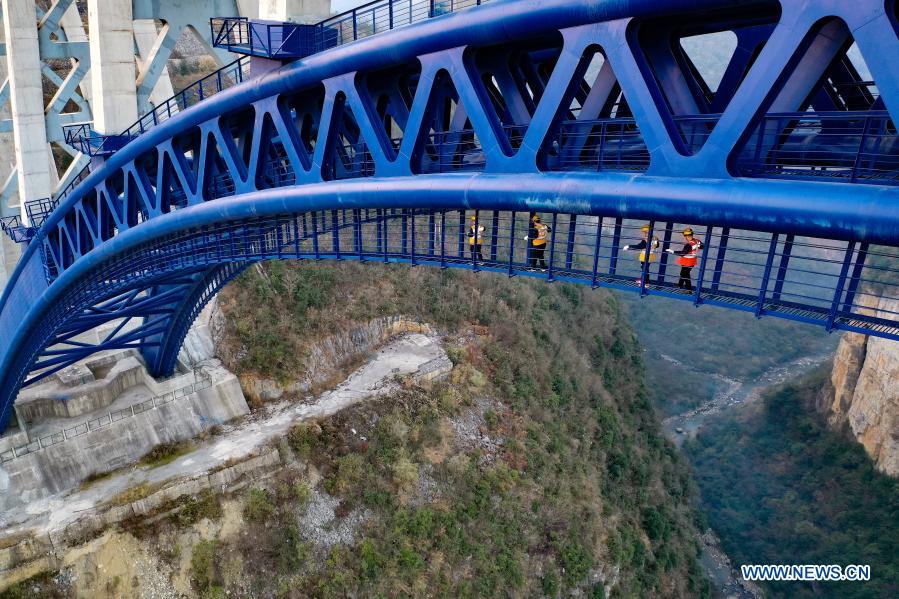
(780, 487)
(712, 341)
(166, 453)
(42, 585)
(581, 484)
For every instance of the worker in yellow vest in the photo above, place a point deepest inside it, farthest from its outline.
(475, 239)
(538, 233)
(646, 248)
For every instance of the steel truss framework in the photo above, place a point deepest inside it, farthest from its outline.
(573, 109)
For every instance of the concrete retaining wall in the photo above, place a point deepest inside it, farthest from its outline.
(64, 465)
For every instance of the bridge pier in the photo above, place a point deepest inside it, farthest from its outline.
(112, 65)
(27, 100)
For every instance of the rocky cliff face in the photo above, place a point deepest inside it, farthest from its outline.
(865, 393)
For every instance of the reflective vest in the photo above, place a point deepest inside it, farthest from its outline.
(471, 234)
(652, 250)
(689, 260)
(541, 234)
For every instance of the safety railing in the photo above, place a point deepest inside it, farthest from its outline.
(228, 76)
(848, 146)
(269, 39)
(379, 16)
(108, 419)
(16, 230)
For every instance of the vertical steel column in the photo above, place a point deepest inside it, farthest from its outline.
(378, 227)
(772, 250)
(443, 239)
(404, 231)
(494, 236)
(315, 236)
(412, 234)
(719, 257)
(552, 248)
(474, 260)
(461, 234)
(663, 259)
(782, 267)
(296, 236)
(512, 247)
(616, 241)
(647, 258)
(357, 233)
(841, 284)
(569, 249)
(432, 223)
(384, 235)
(697, 296)
(596, 246)
(860, 258)
(335, 233)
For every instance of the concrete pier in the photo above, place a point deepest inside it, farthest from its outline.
(112, 65)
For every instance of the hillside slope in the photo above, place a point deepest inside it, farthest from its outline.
(561, 479)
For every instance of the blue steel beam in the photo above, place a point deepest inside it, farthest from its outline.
(508, 146)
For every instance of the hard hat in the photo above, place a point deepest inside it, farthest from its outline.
(536, 218)
(474, 218)
(688, 231)
(645, 228)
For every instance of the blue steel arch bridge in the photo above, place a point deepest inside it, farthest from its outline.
(378, 134)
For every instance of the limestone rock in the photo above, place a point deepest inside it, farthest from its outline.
(866, 392)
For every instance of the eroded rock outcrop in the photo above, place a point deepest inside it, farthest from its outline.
(865, 395)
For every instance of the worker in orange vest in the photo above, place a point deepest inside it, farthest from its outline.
(646, 248)
(686, 258)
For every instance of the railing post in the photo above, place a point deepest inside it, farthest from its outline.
(335, 233)
(474, 236)
(616, 241)
(700, 279)
(647, 258)
(355, 36)
(404, 234)
(412, 234)
(432, 232)
(357, 233)
(443, 239)
(494, 236)
(782, 267)
(569, 249)
(861, 146)
(663, 259)
(431, 9)
(772, 250)
(841, 283)
(596, 247)
(719, 257)
(315, 236)
(461, 235)
(856, 276)
(390, 14)
(512, 246)
(552, 248)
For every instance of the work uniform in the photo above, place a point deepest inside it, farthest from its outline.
(643, 246)
(686, 259)
(475, 241)
(538, 245)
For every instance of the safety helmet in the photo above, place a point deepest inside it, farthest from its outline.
(688, 231)
(645, 228)
(536, 218)
(474, 217)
